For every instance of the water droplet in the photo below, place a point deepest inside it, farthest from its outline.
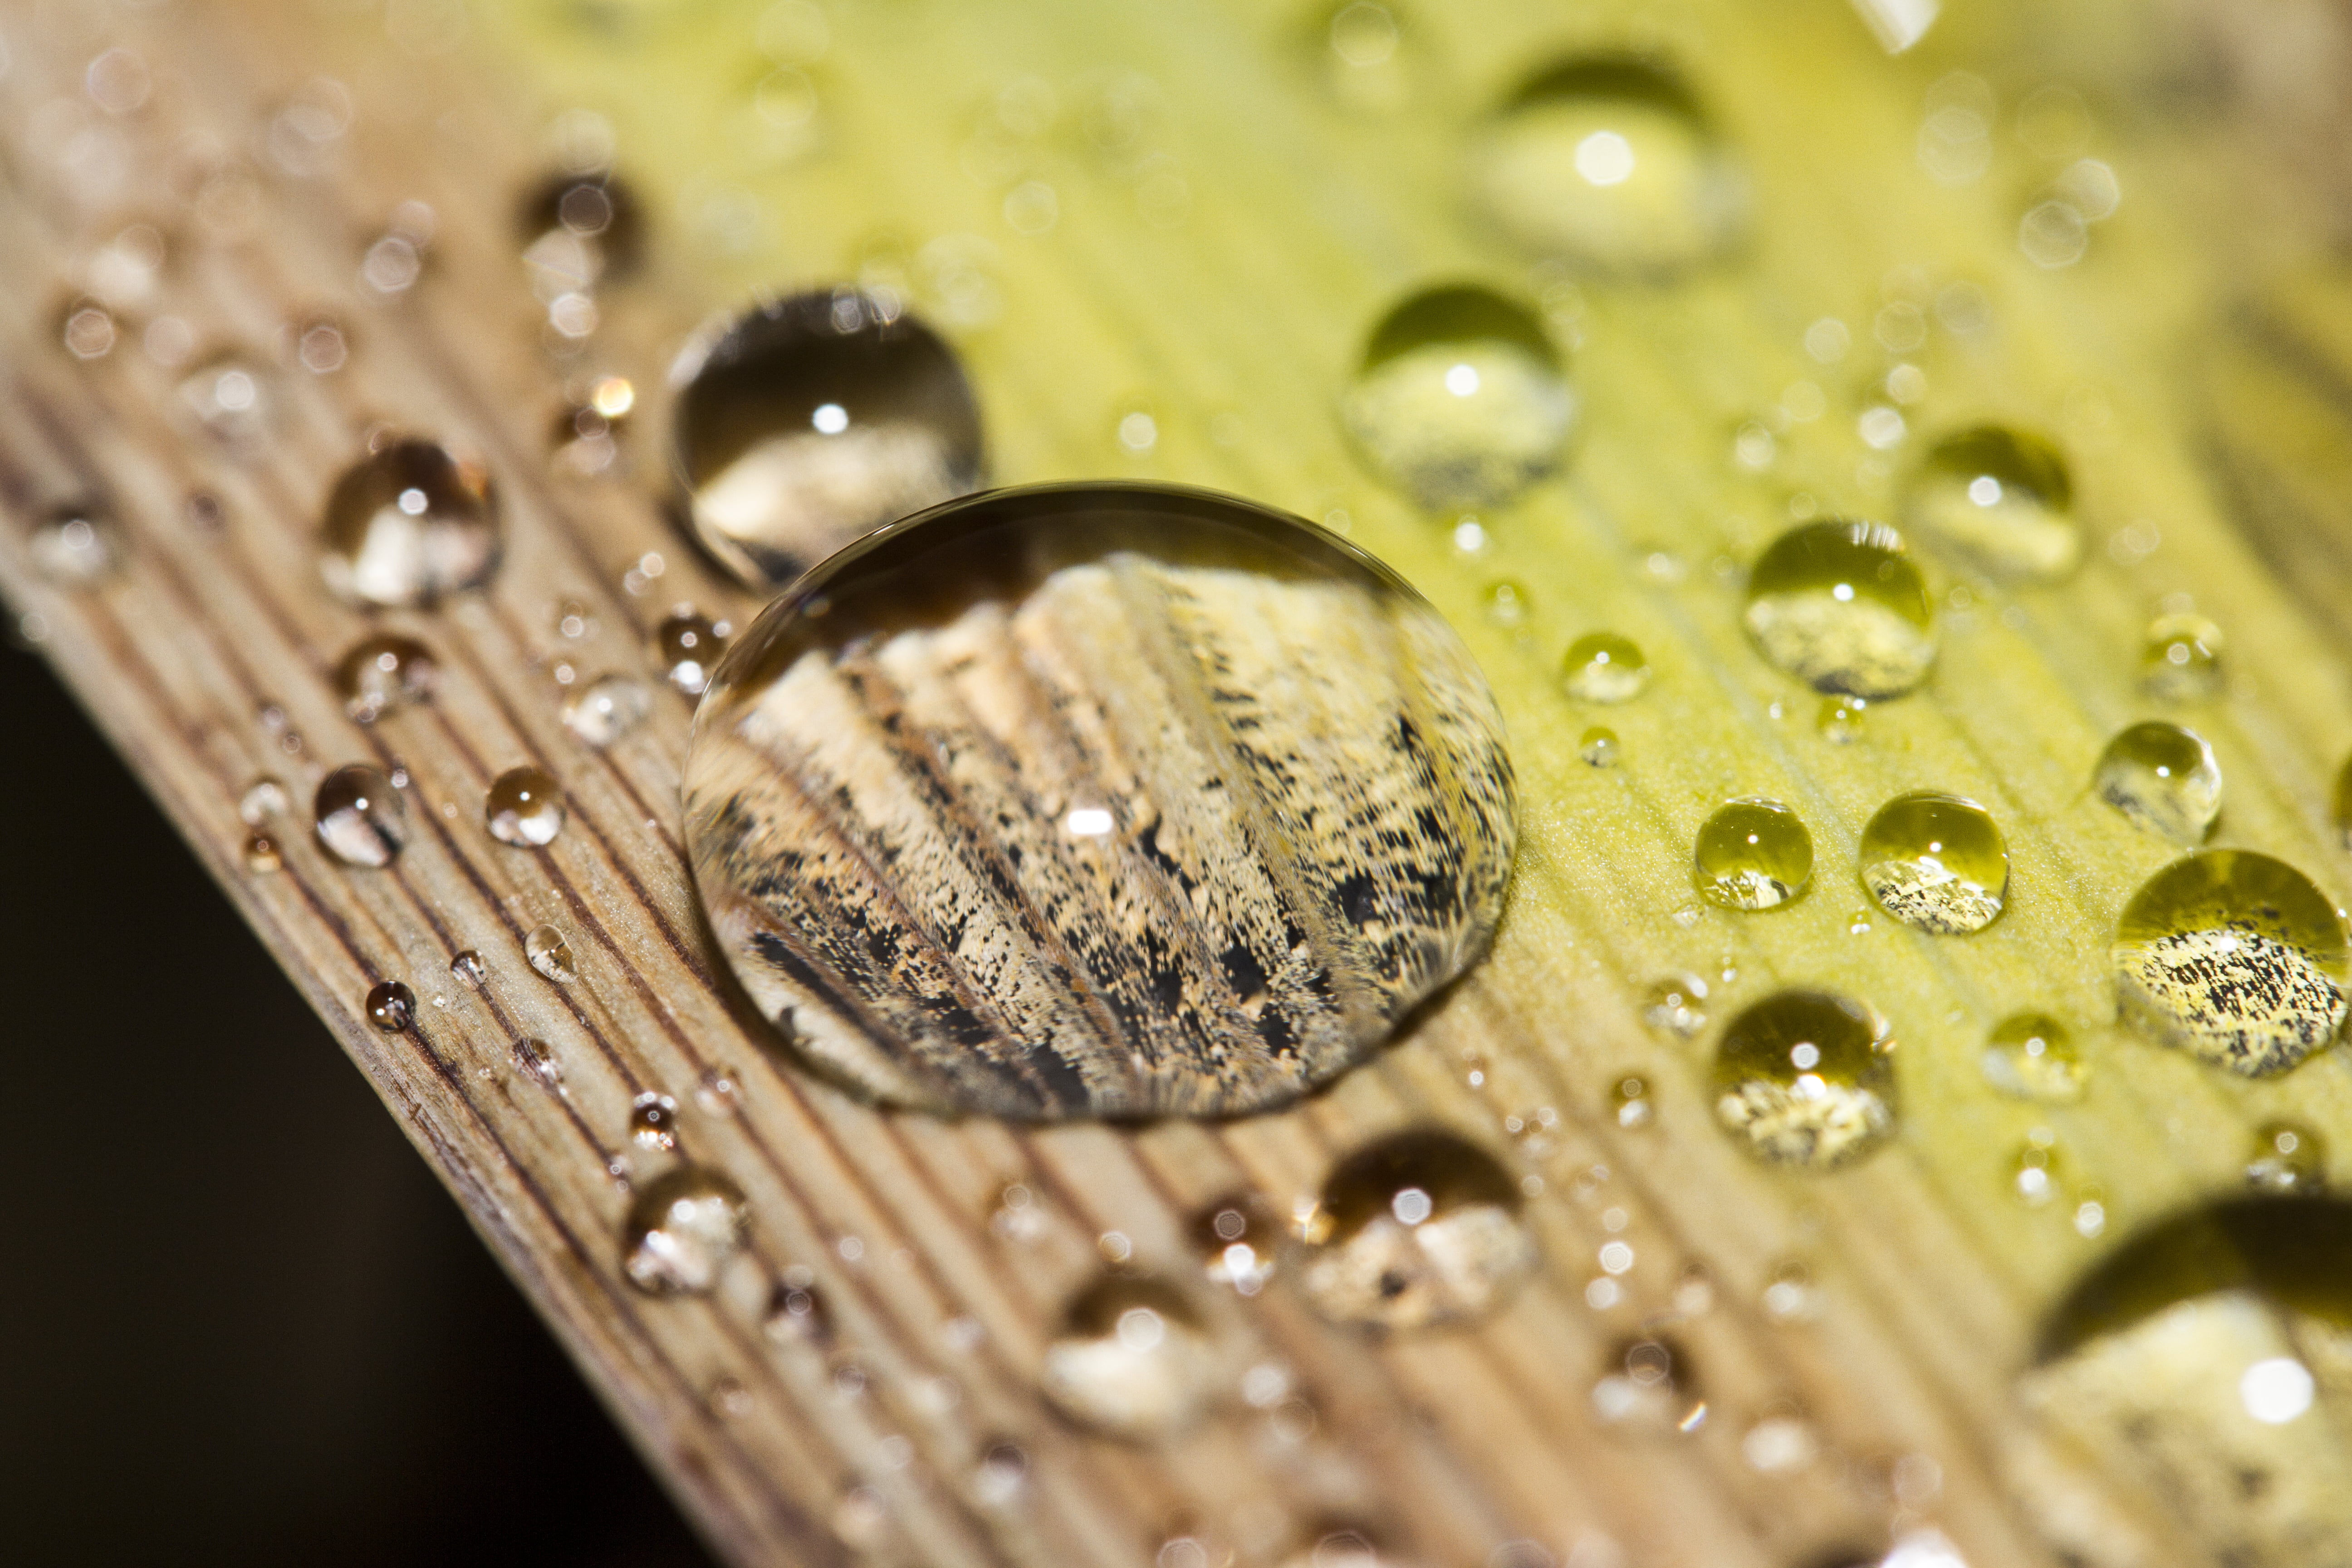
(1418, 1230)
(1132, 1359)
(1807, 1078)
(607, 708)
(1648, 1387)
(1841, 607)
(1936, 861)
(1043, 807)
(2034, 1172)
(407, 524)
(811, 420)
(1607, 163)
(1629, 1101)
(262, 854)
(525, 807)
(2164, 778)
(549, 953)
(2001, 500)
(1676, 1005)
(360, 817)
(264, 798)
(2031, 1055)
(688, 644)
(684, 1227)
(581, 228)
(1602, 667)
(230, 399)
(797, 1315)
(2234, 957)
(1753, 855)
(653, 1122)
(77, 546)
(469, 967)
(1365, 57)
(2288, 1157)
(88, 329)
(1460, 401)
(1598, 746)
(1506, 602)
(1002, 1477)
(391, 1006)
(1789, 1294)
(385, 673)
(1237, 1243)
(2181, 661)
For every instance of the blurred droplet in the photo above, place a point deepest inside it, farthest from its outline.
(360, 816)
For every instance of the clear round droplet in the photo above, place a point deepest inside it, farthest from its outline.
(688, 644)
(1132, 1359)
(2165, 778)
(2001, 501)
(1599, 747)
(525, 807)
(1753, 855)
(408, 525)
(385, 673)
(231, 399)
(469, 967)
(1676, 1005)
(580, 230)
(2234, 957)
(264, 798)
(2031, 1055)
(1806, 1078)
(607, 708)
(1238, 1244)
(77, 546)
(2288, 1157)
(1842, 608)
(2342, 804)
(1601, 667)
(1647, 1386)
(812, 420)
(1097, 800)
(1460, 401)
(1630, 1103)
(1936, 861)
(1607, 163)
(549, 953)
(1418, 1230)
(652, 1122)
(683, 1229)
(262, 854)
(360, 815)
(2180, 660)
(391, 1006)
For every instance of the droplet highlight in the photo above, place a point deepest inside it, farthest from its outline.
(408, 525)
(548, 952)
(360, 816)
(1842, 608)
(688, 644)
(2165, 778)
(1753, 855)
(2001, 501)
(1419, 1229)
(2288, 1157)
(1936, 861)
(1806, 1078)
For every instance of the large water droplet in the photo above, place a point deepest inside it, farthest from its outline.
(809, 421)
(1602, 667)
(2031, 1055)
(409, 524)
(1365, 52)
(2001, 500)
(2180, 660)
(1132, 1360)
(1841, 607)
(1097, 800)
(683, 1229)
(2235, 957)
(607, 708)
(1609, 162)
(1936, 861)
(361, 819)
(2164, 778)
(1460, 401)
(1417, 1229)
(77, 546)
(1753, 855)
(525, 807)
(383, 673)
(1807, 1078)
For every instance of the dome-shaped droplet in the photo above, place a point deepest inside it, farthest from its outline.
(2001, 501)
(549, 952)
(525, 806)
(1132, 1360)
(231, 399)
(1841, 607)
(1647, 1386)
(1753, 855)
(683, 1229)
(1107, 800)
(1238, 1243)
(2235, 957)
(1936, 861)
(262, 854)
(2034, 1171)
(409, 524)
(1418, 1230)
(1601, 667)
(580, 229)
(812, 420)
(77, 546)
(1460, 401)
(2031, 1055)
(1598, 746)
(1806, 1078)
(2287, 1157)
(688, 644)
(1676, 1005)
(385, 673)
(607, 708)
(2163, 778)
(360, 816)
(391, 1006)
(1607, 163)
(2181, 658)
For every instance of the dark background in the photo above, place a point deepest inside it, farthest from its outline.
(240, 1322)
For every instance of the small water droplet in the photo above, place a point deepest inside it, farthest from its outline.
(2034, 1172)
(581, 228)
(2031, 1055)
(322, 346)
(1789, 1294)
(264, 798)
(2001, 500)
(361, 818)
(1506, 602)
(797, 1315)
(1599, 747)
(469, 967)
(688, 644)
(1602, 667)
(2234, 957)
(385, 673)
(1132, 1359)
(1676, 1005)
(1807, 1078)
(1629, 1101)
(549, 953)
(525, 807)
(230, 398)
(1936, 861)
(1460, 401)
(1841, 607)
(88, 329)
(2288, 1157)
(1418, 1230)
(262, 854)
(607, 708)
(409, 524)
(683, 1229)
(1648, 1387)
(391, 1006)
(1753, 855)
(1000, 1477)
(2163, 778)
(653, 1122)
(77, 546)
(1238, 1244)
(2180, 660)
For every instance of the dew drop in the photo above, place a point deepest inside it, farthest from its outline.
(688, 644)
(549, 953)
(1132, 1359)
(1602, 667)
(1648, 1387)
(1753, 855)
(1238, 1244)
(607, 708)
(1807, 1078)
(2288, 1157)
(1418, 1230)
(580, 230)
(383, 674)
(2001, 501)
(1001, 1476)
(683, 1229)
(525, 807)
(409, 524)
(812, 420)
(536, 1059)
(1936, 861)
(2180, 660)
(391, 1006)
(2031, 1055)
(1630, 1103)
(2164, 778)
(229, 398)
(1460, 401)
(797, 1315)
(1598, 746)
(262, 854)
(360, 815)
(468, 968)
(2234, 957)
(1841, 607)
(1676, 1005)
(2034, 1173)
(77, 546)
(1607, 163)
(652, 1122)
(1072, 723)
